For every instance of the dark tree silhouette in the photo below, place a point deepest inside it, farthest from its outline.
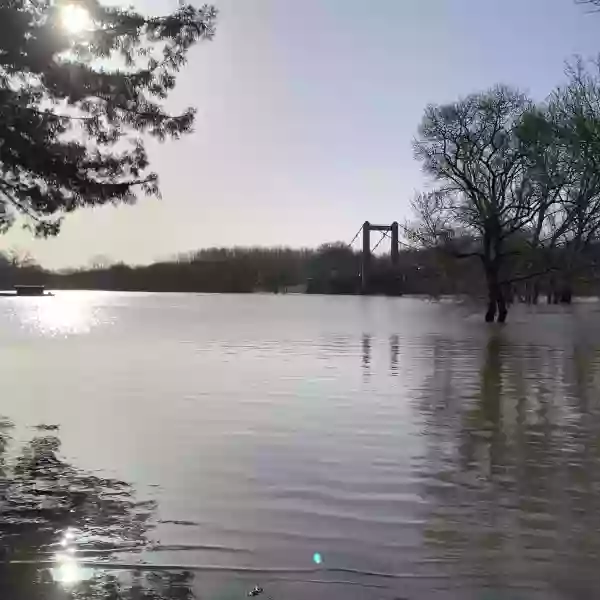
(73, 105)
(472, 150)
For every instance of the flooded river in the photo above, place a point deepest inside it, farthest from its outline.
(189, 446)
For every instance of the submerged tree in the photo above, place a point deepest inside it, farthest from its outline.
(473, 150)
(80, 83)
(574, 113)
(562, 138)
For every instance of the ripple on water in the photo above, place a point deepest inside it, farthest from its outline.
(416, 451)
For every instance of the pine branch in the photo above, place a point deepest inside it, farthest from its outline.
(44, 170)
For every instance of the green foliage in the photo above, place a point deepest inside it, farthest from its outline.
(73, 107)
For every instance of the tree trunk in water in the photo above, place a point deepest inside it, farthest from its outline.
(566, 290)
(566, 295)
(502, 307)
(532, 294)
(552, 292)
(490, 315)
(496, 300)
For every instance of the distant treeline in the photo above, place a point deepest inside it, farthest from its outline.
(331, 268)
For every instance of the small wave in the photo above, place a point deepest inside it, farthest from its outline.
(185, 547)
(268, 571)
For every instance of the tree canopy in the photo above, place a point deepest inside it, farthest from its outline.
(75, 105)
(473, 150)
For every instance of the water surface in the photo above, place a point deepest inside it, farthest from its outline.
(187, 446)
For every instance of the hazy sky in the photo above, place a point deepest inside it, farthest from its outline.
(307, 110)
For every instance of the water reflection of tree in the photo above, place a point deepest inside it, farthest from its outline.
(367, 342)
(45, 501)
(512, 467)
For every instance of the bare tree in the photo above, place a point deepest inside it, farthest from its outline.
(485, 194)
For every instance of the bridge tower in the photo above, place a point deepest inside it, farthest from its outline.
(366, 249)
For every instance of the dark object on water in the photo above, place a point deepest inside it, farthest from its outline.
(257, 591)
(30, 290)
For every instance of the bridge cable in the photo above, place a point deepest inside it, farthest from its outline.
(383, 236)
(354, 238)
(401, 244)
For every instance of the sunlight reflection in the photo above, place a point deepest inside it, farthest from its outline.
(67, 569)
(65, 313)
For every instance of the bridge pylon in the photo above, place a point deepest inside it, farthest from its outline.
(367, 228)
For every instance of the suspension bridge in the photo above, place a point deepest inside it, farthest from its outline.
(371, 281)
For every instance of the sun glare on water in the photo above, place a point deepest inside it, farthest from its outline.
(75, 19)
(66, 569)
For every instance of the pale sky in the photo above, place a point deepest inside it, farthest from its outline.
(307, 111)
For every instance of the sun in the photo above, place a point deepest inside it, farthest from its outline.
(75, 19)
